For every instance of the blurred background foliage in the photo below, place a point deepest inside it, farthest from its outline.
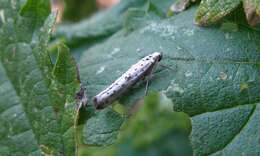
(75, 10)
(107, 19)
(152, 130)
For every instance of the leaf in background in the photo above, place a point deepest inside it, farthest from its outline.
(36, 11)
(212, 11)
(133, 19)
(37, 104)
(214, 73)
(161, 6)
(154, 129)
(76, 10)
(180, 5)
(252, 10)
(82, 35)
(136, 17)
(100, 25)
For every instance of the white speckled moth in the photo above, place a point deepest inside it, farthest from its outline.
(137, 72)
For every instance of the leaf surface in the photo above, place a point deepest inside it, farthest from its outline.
(214, 76)
(40, 95)
(102, 128)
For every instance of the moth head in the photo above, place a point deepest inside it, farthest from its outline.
(158, 55)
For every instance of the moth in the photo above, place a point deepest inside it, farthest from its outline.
(139, 71)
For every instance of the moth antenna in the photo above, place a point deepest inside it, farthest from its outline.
(146, 87)
(164, 66)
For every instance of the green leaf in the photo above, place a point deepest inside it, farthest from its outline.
(102, 128)
(105, 23)
(154, 113)
(180, 5)
(214, 74)
(16, 137)
(40, 95)
(75, 11)
(65, 69)
(136, 17)
(161, 6)
(230, 130)
(65, 85)
(36, 11)
(211, 11)
(100, 25)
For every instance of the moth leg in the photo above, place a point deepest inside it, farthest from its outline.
(167, 67)
(146, 87)
(147, 79)
(149, 76)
